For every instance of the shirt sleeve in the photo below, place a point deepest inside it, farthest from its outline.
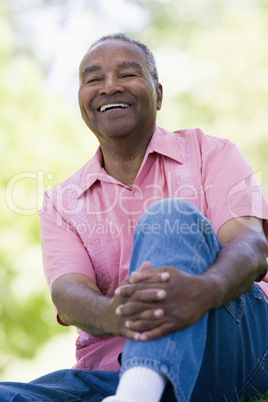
(230, 188)
(62, 248)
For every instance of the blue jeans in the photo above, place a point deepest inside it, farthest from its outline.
(225, 353)
(222, 357)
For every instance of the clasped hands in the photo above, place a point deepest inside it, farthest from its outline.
(152, 303)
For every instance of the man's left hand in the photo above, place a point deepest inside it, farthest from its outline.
(163, 300)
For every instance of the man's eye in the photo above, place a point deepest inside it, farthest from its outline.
(92, 80)
(128, 75)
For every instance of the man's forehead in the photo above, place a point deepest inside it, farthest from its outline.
(126, 51)
(91, 68)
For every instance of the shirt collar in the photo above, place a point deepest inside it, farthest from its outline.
(163, 142)
(166, 143)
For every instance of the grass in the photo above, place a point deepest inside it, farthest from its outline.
(260, 398)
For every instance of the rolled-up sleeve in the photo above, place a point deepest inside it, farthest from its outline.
(231, 189)
(62, 248)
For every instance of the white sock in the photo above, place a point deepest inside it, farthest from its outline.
(141, 384)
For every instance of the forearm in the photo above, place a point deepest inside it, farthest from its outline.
(239, 264)
(84, 306)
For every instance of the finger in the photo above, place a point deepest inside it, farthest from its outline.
(147, 315)
(129, 309)
(149, 276)
(145, 266)
(156, 333)
(132, 335)
(125, 290)
(134, 309)
(143, 295)
(142, 325)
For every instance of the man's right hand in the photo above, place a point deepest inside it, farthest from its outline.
(142, 294)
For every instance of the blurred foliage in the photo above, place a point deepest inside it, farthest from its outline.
(213, 62)
(216, 55)
(37, 146)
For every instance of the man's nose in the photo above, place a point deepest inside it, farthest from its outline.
(111, 85)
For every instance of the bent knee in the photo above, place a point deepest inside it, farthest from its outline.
(171, 206)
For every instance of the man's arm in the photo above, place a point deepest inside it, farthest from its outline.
(80, 303)
(150, 305)
(241, 261)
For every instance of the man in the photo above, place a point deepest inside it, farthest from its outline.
(182, 297)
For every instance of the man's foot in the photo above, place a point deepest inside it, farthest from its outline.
(139, 384)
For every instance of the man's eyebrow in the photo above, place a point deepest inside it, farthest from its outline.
(97, 67)
(90, 69)
(130, 64)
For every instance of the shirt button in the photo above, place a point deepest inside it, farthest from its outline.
(137, 194)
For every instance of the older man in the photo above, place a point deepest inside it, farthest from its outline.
(152, 249)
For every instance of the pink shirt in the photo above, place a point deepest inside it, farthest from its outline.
(87, 222)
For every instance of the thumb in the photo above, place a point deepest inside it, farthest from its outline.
(136, 275)
(144, 266)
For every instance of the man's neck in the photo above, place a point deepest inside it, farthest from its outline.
(123, 164)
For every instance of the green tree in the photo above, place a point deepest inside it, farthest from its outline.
(214, 69)
(37, 147)
(213, 62)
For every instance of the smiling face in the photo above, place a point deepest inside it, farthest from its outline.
(117, 96)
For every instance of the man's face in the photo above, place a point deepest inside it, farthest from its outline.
(117, 96)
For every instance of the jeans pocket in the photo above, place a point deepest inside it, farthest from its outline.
(256, 292)
(236, 308)
(257, 383)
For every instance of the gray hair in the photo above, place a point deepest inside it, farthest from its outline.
(151, 64)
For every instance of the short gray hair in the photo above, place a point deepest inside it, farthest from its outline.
(148, 54)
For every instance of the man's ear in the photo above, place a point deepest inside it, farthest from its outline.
(159, 95)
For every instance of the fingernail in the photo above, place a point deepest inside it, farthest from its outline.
(158, 313)
(143, 337)
(161, 294)
(137, 337)
(118, 311)
(165, 276)
(117, 291)
(127, 324)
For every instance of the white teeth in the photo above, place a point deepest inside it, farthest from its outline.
(112, 105)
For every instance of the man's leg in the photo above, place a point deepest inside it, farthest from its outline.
(205, 358)
(63, 385)
(235, 363)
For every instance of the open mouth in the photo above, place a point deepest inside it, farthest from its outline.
(111, 106)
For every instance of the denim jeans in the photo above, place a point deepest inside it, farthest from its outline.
(222, 357)
(62, 386)
(225, 354)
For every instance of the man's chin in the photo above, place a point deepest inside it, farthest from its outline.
(115, 133)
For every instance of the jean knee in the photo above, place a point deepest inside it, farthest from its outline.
(176, 221)
(170, 207)
(179, 215)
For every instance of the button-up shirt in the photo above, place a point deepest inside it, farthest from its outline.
(87, 222)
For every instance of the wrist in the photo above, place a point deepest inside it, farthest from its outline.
(214, 290)
(109, 324)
